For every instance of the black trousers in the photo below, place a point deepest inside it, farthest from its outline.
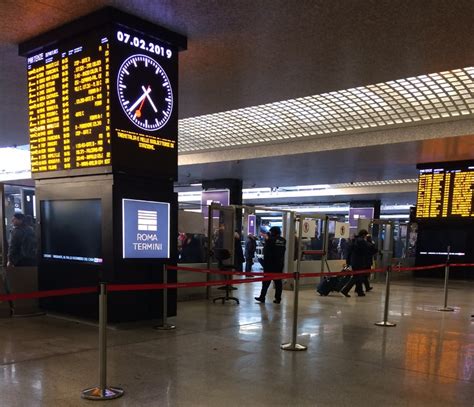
(357, 281)
(248, 265)
(278, 289)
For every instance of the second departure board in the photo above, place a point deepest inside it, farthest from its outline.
(102, 98)
(446, 190)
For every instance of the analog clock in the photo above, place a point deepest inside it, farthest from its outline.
(144, 92)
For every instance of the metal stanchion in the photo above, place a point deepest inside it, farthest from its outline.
(102, 392)
(293, 345)
(446, 280)
(165, 326)
(387, 299)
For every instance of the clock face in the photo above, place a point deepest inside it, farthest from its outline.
(144, 92)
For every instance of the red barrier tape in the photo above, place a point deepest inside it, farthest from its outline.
(322, 252)
(341, 273)
(434, 266)
(260, 277)
(48, 293)
(144, 287)
(461, 264)
(217, 271)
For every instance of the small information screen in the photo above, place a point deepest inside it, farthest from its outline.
(69, 108)
(445, 190)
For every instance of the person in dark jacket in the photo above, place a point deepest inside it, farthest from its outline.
(273, 262)
(238, 252)
(359, 257)
(250, 248)
(22, 243)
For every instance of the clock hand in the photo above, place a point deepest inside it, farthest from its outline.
(138, 113)
(149, 98)
(139, 100)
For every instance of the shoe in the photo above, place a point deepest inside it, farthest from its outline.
(360, 294)
(276, 301)
(345, 294)
(369, 289)
(262, 300)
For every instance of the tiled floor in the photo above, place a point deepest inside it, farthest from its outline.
(229, 355)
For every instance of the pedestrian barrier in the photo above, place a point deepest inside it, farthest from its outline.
(103, 392)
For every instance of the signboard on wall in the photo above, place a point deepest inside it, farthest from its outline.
(342, 230)
(309, 228)
(146, 229)
(358, 216)
(252, 225)
(218, 196)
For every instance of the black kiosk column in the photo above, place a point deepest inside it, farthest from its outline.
(103, 118)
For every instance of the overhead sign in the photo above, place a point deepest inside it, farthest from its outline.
(146, 229)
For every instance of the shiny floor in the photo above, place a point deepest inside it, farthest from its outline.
(229, 355)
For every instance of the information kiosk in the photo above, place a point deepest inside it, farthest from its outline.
(102, 98)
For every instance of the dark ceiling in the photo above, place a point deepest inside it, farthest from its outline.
(248, 52)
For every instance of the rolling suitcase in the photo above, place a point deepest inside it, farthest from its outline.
(326, 285)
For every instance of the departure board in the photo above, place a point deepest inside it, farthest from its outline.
(446, 190)
(69, 106)
(102, 98)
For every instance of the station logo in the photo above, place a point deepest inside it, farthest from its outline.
(145, 229)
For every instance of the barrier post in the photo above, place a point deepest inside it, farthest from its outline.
(385, 321)
(164, 325)
(102, 392)
(293, 345)
(446, 281)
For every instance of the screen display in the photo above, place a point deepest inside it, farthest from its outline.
(68, 105)
(445, 190)
(435, 242)
(104, 102)
(71, 230)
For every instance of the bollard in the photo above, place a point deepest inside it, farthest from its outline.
(293, 345)
(164, 325)
(387, 299)
(102, 392)
(446, 280)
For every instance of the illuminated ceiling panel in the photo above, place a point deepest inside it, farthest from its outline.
(438, 96)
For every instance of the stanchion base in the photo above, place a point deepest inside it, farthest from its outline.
(293, 347)
(95, 393)
(165, 327)
(446, 309)
(385, 323)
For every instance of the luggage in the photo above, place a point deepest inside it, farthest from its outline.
(332, 284)
(327, 285)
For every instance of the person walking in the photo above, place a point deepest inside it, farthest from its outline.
(359, 254)
(273, 262)
(250, 248)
